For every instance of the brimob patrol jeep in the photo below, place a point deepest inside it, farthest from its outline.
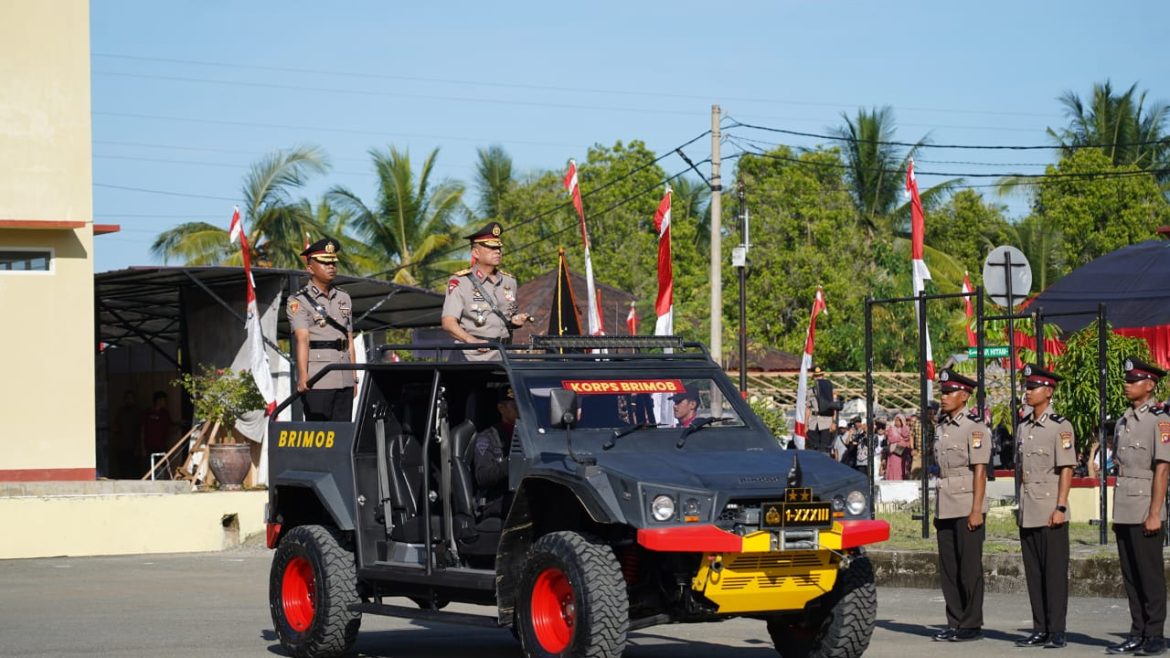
(617, 517)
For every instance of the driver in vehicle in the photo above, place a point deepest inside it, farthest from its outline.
(686, 406)
(490, 458)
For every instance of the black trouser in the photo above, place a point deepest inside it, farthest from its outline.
(1045, 552)
(1145, 582)
(334, 404)
(819, 440)
(960, 568)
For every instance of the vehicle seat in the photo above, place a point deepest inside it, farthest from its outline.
(476, 536)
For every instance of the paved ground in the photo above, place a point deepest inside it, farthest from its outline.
(215, 604)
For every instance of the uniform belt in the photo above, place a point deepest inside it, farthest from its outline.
(1137, 475)
(339, 344)
(955, 473)
(493, 339)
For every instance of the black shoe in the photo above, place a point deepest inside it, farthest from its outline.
(1153, 646)
(1056, 641)
(967, 635)
(1034, 640)
(1129, 645)
(945, 634)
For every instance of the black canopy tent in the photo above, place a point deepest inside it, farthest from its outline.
(1134, 285)
(145, 304)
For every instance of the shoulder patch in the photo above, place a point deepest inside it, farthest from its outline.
(1164, 431)
(1066, 440)
(1057, 417)
(452, 285)
(293, 305)
(976, 440)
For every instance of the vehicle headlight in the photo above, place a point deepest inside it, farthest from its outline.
(855, 503)
(662, 509)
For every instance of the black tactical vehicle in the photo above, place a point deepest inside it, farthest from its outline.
(616, 517)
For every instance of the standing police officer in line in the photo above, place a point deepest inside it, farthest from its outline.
(321, 318)
(1143, 465)
(1048, 454)
(962, 449)
(482, 301)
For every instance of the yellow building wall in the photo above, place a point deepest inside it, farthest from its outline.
(47, 396)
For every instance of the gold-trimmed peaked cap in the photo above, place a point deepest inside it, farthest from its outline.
(489, 235)
(324, 250)
(1137, 370)
(949, 380)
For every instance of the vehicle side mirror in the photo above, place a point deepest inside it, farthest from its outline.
(562, 408)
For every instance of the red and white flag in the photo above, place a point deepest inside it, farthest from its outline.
(972, 339)
(920, 272)
(594, 315)
(632, 320)
(257, 354)
(664, 302)
(801, 430)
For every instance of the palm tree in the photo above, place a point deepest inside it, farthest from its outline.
(1040, 242)
(493, 179)
(691, 198)
(276, 224)
(1122, 125)
(413, 222)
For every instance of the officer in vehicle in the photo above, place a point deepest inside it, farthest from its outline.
(321, 318)
(1048, 454)
(961, 450)
(1139, 513)
(490, 457)
(686, 406)
(482, 300)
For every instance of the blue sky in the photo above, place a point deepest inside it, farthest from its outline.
(187, 94)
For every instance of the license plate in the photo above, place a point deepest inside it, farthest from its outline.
(796, 515)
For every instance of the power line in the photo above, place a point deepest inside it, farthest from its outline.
(955, 174)
(840, 138)
(167, 193)
(395, 94)
(506, 85)
(764, 142)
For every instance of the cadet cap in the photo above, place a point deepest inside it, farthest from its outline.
(323, 250)
(1035, 377)
(1137, 370)
(953, 381)
(488, 236)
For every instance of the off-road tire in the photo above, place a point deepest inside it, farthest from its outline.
(843, 625)
(312, 583)
(586, 573)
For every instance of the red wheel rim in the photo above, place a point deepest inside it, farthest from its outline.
(554, 612)
(298, 594)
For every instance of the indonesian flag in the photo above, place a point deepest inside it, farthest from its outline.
(920, 272)
(664, 302)
(574, 189)
(632, 320)
(801, 429)
(972, 339)
(258, 355)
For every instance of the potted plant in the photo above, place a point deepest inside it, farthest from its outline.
(220, 396)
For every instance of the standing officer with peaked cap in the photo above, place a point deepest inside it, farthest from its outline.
(1139, 514)
(482, 303)
(1048, 454)
(962, 449)
(321, 318)
(821, 413)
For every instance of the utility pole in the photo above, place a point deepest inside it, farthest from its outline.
(739, 260)
(716, 242)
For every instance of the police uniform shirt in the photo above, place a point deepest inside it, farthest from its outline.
(472, 309)
(1142, 439)
(815, 420)
(962, 442)
(1047, 444)
(302, 315)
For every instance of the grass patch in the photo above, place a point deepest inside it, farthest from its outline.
(1002, 534)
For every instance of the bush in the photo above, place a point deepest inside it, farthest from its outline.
(221, 395)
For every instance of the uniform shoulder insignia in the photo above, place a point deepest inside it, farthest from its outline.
(507, 274)
(973, 415)
(1057, 417)
(464, 272)
(1158, 410)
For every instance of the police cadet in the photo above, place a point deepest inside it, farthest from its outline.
(1143, 463)
(490, 459)
(821, 412)
(321, 318)
(1048, 454)
(961, 450)
(482, 303)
